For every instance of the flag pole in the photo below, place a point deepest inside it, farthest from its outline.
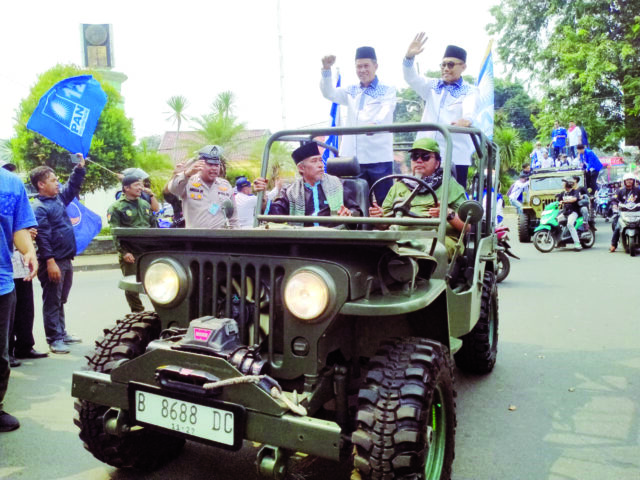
(103, 167)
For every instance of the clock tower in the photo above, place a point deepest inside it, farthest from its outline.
(97, 52)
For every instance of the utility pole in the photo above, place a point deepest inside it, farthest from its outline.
(282, 103)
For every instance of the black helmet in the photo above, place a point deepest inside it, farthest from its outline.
(211, 154)
(569, 181)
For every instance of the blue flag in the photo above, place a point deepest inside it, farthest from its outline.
(484, 120)
(333, 139)
(86, 224)
(68, 113)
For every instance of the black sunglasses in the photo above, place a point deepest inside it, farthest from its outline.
(450, 65)
(425, 157)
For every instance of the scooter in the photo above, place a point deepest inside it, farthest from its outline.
(629, 223)
(504, 265)
(551, 233)
(603, 204)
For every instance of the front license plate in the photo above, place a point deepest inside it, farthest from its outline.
(215, 422)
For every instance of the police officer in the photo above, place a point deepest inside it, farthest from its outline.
(130, 211)
(204, 194)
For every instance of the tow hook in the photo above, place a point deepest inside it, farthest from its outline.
(271, 462)
(116, 422)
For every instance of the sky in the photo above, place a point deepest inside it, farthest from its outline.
(200, 48)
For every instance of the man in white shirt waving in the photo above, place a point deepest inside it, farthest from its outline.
(449, 100)
(369, 103)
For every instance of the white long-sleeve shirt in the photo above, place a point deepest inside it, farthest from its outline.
(372, 105)
(575, 136)
(444, 106)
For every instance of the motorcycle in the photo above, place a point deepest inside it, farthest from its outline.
(603, 204)
(551, 233)
(504, 252)
(629, 223)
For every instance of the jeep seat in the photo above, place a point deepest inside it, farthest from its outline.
(348, 169)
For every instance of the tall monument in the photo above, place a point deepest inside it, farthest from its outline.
(97, 52)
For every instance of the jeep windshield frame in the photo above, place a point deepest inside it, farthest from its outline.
(480, 142)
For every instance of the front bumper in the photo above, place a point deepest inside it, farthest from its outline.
(268, 420)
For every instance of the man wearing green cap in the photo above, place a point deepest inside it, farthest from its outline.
(449, 100)
(425, 164)
(369, 103)
(130, 211)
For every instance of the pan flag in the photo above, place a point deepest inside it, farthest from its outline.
(484, 119)
(86, 224)
(332, 140)
(68, 113)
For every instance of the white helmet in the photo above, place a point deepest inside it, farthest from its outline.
(629, 176)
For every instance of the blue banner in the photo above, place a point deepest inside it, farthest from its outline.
(484, 120)
(86, 224)
(68, 113)
(333, 139)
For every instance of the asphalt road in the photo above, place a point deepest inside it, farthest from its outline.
(561, 404)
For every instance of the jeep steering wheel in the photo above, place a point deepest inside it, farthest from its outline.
(404, 207)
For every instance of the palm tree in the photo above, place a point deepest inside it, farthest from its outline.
(508, 140)
(220, 127)
(178, 104)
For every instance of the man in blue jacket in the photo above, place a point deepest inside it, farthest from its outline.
(558, 138)
(56, 248)
(591, 165)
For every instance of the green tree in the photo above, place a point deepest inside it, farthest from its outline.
(112, 145)
(158, 165)
(178, 104)
(220, 126)
(508, 140)
(515, 107)
(584, 54)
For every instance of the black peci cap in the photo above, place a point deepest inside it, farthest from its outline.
(455, 52)
(366, 52)
(305, 151)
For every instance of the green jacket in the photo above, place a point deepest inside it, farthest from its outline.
(422, 202)
(130, 214)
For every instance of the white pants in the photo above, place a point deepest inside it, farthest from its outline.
(571, 225)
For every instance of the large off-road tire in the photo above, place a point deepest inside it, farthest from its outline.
(543, 241)
(143, 449)
(406, 422)
(503, 267)
(480, 346)
(523, 228)
(589, 242)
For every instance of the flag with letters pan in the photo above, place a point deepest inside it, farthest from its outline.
(68, 113)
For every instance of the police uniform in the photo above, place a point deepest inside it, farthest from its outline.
(126, 213)
(201, 203)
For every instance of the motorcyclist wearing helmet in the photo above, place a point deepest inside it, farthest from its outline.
(628, 193)
(204, 194)
(584, 203)
(570, 209)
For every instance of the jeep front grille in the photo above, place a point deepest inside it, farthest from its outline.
(241, 289)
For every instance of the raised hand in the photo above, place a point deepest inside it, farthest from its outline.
(328, 61)
(417, 45)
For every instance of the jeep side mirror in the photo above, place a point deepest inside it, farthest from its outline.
(470, 211)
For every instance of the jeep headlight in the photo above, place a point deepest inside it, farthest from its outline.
(535, 201)
(308, 293)
(165, 281)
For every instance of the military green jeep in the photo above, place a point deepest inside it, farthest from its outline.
(544, 185)
(332, 342)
